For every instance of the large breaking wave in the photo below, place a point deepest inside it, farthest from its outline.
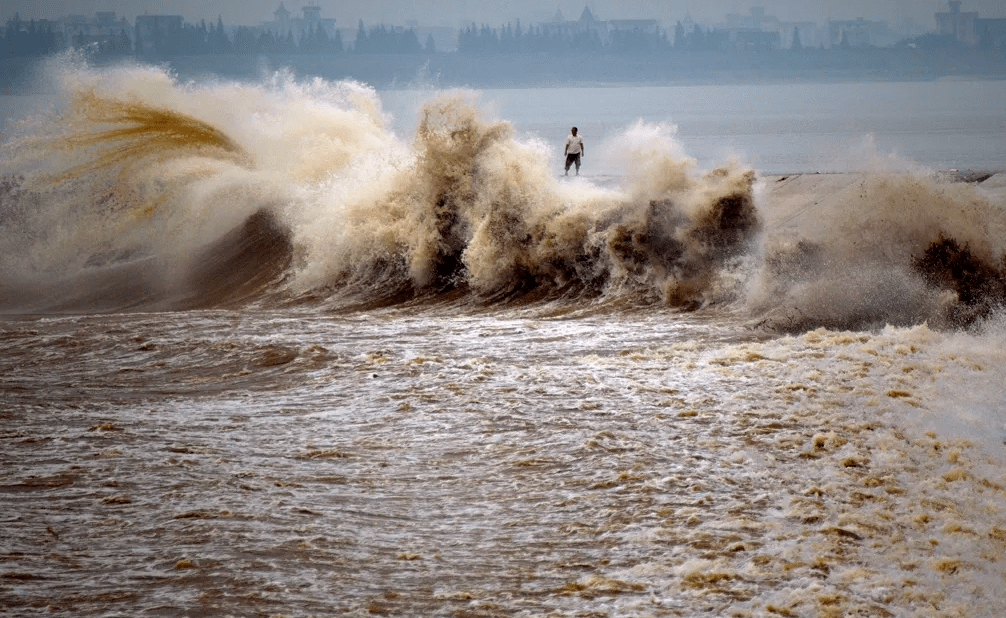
(140, 192)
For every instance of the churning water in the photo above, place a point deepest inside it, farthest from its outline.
(264, 353)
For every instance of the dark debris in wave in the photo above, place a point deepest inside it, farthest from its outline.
(979, 285)
(968, 176)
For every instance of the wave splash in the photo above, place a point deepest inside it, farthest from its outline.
(876, 249)
(117, 199)
(145, 193)
(478, 213)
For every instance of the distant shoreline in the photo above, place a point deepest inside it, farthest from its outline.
(947, 175)
(545, 70)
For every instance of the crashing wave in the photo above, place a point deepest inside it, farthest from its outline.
(145, 193)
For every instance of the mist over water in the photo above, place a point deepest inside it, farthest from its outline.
(276, 348)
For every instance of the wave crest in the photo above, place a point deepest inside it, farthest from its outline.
(478, 212)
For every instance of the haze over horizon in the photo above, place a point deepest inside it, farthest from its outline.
(462, 12)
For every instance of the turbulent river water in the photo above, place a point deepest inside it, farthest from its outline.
(263, 355)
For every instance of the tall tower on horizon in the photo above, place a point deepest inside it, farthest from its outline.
(282, 17)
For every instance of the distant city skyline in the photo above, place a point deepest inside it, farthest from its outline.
(462, 12)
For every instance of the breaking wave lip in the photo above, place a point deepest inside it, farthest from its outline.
(144, 193)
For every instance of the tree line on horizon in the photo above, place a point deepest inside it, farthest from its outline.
(31, 38)
(36, 39)
(513, 38)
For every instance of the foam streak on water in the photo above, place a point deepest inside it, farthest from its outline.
(416, 464)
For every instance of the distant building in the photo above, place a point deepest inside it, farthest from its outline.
(759, 31)
(646, 26)
(756, 19)
(445, 38)
(153, 30)
(33, 38)
(285, 23)
(756, 40)
(105, 32)
(589, 24)
(808, 33)
(281, 23)
(860, 33)
(106, 19)
(555, 26)
(991, 32)
(312, 16)
(687, 24)
(969, 29)
(960, 25)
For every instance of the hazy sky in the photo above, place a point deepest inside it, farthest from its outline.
(496, 12)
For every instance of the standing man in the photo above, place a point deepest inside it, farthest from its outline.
(573, 150)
